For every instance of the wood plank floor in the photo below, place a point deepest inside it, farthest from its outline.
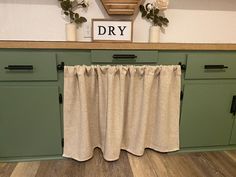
(151, 164)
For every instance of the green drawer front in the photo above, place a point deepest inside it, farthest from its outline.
(44, 66)
(123, 57)
(196, 64)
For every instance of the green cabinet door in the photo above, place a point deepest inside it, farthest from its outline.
(29, 121)
(233, 136)
(206, 119)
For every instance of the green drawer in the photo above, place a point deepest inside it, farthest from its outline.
(211, 66)
(27, 66)
(124, 57)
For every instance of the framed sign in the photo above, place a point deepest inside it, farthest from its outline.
(112, 30)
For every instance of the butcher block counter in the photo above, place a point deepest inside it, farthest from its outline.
(114, 45)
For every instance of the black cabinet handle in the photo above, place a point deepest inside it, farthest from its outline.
(124, 56)
(183, 66)
(19, 67)
(215, 67)
(60, 67)
(233, 106)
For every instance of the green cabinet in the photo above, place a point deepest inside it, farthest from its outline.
(233, 135)
(29, 121)
(30, 117)
(209, 87)
(205, 118)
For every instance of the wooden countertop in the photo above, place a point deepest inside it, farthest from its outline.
(123, 46)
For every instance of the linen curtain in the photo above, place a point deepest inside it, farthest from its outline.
(120, 107)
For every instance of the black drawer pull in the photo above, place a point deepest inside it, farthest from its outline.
(233, 106)
(20, 67)
(60, 67)
(215, 67)
(124, 56)
(183, 66)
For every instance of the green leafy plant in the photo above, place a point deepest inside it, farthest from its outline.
(69, 8)
(151, 13)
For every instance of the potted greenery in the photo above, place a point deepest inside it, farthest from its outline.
(69, 7)
(151, 13)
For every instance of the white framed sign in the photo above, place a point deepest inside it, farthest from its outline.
(112, 30)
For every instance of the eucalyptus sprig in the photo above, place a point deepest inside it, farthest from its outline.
(69, 7)
(151, 13)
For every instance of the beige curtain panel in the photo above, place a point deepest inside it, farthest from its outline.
(120, 107)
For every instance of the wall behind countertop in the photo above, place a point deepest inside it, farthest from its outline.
(209, 21)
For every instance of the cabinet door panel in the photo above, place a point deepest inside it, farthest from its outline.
(206, 119)
(29, 121)
(233, 137)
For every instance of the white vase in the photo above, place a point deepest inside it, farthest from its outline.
(154, 34)
(71, 32)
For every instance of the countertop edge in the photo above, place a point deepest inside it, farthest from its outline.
(114, 45)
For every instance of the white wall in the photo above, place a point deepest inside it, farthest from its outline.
(42, 20)
(225, 5)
